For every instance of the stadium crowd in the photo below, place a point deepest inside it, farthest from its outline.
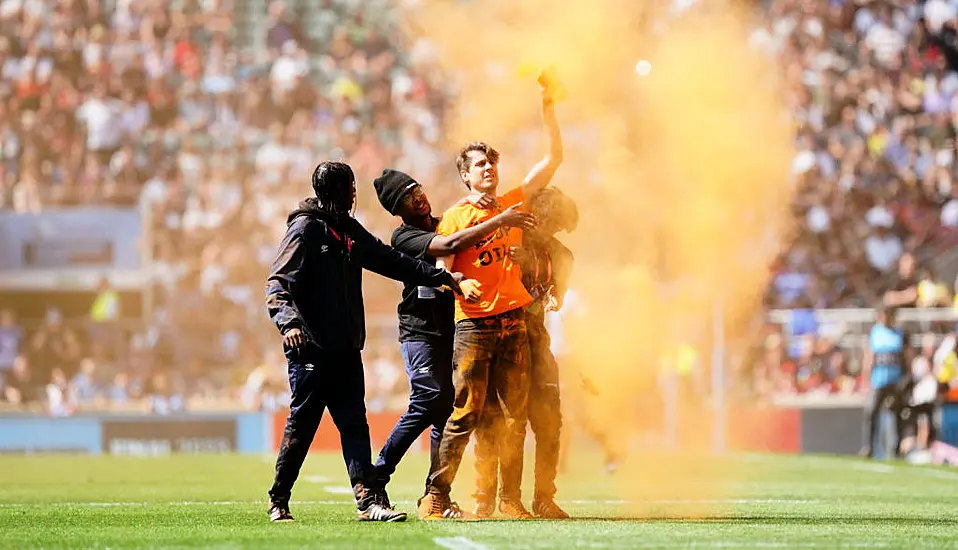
(873, 88)
(155, 105)
(159, 106)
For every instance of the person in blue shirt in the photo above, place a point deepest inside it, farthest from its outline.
(883, 369)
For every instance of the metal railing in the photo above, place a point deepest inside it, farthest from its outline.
(864, 316)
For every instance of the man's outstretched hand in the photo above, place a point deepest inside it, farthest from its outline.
(513, 217)
(481, 200)
(519, 255)
(471, 289)
(454, 280)
(294, 339)
(468, 288)
(553, 91)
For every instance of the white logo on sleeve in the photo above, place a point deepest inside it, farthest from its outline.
(308, 367)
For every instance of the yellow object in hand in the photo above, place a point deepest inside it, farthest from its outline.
(549, 79)
(528, 69)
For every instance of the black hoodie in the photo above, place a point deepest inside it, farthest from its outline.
(316, 283)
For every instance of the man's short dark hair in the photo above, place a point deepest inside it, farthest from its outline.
(332, 184)
(462, 161)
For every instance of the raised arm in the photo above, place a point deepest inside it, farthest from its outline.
(541, 174)
(899, 298)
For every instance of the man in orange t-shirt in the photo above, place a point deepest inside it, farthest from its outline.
(491, 348)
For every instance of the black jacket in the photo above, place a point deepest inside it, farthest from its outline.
(316, 284)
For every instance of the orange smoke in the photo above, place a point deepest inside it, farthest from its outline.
(681, 177)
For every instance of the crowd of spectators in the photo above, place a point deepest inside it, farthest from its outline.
(873, 88)
(159, 106)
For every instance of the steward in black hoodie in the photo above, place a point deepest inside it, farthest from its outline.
(315, 299)
(316, 282)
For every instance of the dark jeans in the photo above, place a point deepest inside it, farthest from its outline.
(545, 418)
(878, 401)
(429, 369)
(490, 356)
(320, 379)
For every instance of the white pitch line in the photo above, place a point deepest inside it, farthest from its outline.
(872, 467)
(741, 544)
(348, 491)
(316, 479)
(459, 543)
(849, 462)
(944, 474)
(173, 503)
(772, 544)
(337, 490)
(695, 501)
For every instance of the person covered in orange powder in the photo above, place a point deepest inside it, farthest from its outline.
(491, 349)
(546, 268)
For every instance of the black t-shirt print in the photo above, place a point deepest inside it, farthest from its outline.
(425, 314)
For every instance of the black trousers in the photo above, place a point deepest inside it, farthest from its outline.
(320, 380)
(878, 401)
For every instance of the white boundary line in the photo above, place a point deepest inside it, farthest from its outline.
(337, 490)
(859, 464)
(316, 479)
(741, 544)
(349, 491)
(872, 467)
(459, 543)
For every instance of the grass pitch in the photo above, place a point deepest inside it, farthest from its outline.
(219, 502)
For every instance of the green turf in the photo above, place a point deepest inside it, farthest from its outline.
(218, 502)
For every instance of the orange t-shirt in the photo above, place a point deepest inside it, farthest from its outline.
(488, 261)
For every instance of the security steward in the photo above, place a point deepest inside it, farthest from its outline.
(314, 297)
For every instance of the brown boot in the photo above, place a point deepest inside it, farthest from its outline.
(434, 507)
(513, 509)
(548, 509)
(484, 509)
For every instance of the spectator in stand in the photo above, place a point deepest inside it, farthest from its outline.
(60, 400)
(266, 388)
(11, 339)
(931, 291)
(119, 391)
(161, 396)
(386, 383)
(917, 417)
(282, 28)
(102, 327)
(54, 345)
(903, 291)
(84, 386)
(21, 388)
